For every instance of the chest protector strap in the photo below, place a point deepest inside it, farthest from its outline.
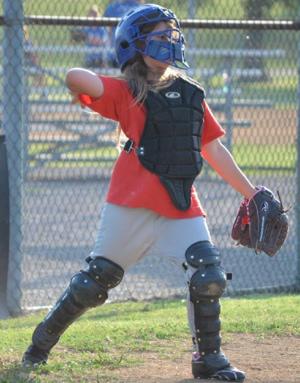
(171, 141)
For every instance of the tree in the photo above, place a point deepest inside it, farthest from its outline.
(259, 10)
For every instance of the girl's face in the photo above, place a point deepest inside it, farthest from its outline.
(152, 64)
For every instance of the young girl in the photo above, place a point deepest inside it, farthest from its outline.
(152, 205)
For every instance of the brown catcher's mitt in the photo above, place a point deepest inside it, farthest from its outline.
(261, 223)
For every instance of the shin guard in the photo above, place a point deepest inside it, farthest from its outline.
(206, 286)
(87, 289)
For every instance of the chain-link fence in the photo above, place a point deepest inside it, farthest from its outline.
(60, 156)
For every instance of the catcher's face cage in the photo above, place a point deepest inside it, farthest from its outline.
(166, 45)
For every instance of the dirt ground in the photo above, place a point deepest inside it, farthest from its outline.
(268, 126)
(265, 360)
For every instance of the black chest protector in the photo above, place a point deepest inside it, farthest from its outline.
(171, 141)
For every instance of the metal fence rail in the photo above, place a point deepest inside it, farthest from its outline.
(60, 157)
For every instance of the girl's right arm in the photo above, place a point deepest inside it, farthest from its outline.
(80, 80)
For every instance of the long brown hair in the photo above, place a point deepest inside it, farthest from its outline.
(136, 71)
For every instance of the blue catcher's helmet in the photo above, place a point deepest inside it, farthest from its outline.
(130, 31)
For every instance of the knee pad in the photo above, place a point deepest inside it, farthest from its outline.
(89, 287)
(209, 280)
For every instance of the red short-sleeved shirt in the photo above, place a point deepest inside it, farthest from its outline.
(131, 184)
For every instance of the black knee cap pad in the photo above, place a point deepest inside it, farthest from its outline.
(105, 272)
(89, 287)
(209, 281)
(85, 291)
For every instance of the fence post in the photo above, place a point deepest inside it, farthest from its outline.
(4, 227)
(13, 127)
(297, 207)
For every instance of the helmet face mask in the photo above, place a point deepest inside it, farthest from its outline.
(165, 45)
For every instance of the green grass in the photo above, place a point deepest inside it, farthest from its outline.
(112, 336)
(267, 157)
(102, 157)
(209, 9)
(84, 153)
(281, 91)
